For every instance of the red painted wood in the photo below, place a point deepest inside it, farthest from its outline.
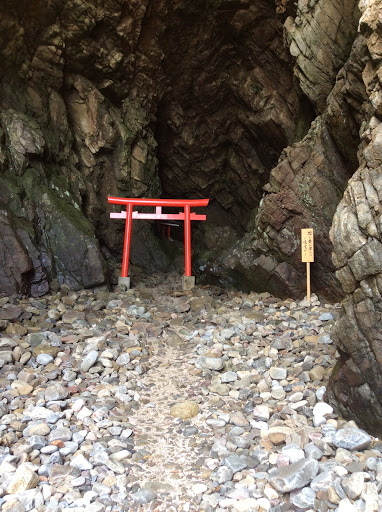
(187, 240)
(126, 244)
(158, 202)
(187, 216)
(154, 216)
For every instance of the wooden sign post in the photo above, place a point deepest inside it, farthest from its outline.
(307, 254)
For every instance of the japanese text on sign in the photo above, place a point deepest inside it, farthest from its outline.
(307, 245)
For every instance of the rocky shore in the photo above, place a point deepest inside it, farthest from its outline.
(155, 399)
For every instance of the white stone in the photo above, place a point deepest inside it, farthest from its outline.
(318, 421)
(246, 505)
(320, 392)
(95, 507)
(199, 488)
(44, 359)
(277, 373)
(264, 503)
(23, 479)
(77, 482)
(78, 404)
(84, 413)
(89, 360)
(293, 452)
(227, 503)
(353, 485)
(322, 409)
(261, 412)
(80, 462)
(341, 471)
(121, 455)
(346, 506)
(270, 492)
(123, 359)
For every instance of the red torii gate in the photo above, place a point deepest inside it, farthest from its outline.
(188, 281)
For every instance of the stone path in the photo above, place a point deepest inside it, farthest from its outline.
(154, 399)
(170, 464)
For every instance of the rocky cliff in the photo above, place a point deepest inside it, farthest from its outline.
(271, 109)
(203, 99)
(356, 384)
(135, 98)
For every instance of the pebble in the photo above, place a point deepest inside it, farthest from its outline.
(246, 505)
(199, 488)
(211, 363)
(277, 373)
(261, 412)
(89, 410)
(223, 474)
(144, 496)
(184, 410)
(353, 485)
(293, 452)
(303, 498)
(229, 377)
(322, 409)
(351, 439)
(294, 476)
(80, 462)
(325, 317)
(23, 480)
(89, 360)
(44, 359)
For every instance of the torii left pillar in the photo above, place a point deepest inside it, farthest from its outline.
(188, 281)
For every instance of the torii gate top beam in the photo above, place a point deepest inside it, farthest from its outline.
(158, 202)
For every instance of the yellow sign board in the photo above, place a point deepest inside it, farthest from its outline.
(307, 245)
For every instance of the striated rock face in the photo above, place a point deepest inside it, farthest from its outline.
(303, 191)
(64, 145)
(230, 105)
(321, 36)
(137, 98)
(356, 383)
(308, 182)
(271, 109)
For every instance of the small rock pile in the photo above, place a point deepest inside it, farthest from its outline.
(157, 399)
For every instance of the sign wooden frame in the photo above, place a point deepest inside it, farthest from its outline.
(307, 254)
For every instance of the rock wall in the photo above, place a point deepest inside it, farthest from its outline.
(74, 127)
(133, 98)
(356, 384)
(213, 98)
(308, 182)
(230, 105)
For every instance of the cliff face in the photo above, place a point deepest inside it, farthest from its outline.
(267, 108)
(308, 182)
(356, 384)
(76, 119)
(134, 98)
(179, 99)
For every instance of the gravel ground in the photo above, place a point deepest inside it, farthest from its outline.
(155, 399)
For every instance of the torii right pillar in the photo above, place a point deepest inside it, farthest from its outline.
(188, 281)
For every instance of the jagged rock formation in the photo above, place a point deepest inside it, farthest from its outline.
(308, 182)
(194, 100)
(64, 144)
(356, 384)
(268, 108)
(133, 98)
